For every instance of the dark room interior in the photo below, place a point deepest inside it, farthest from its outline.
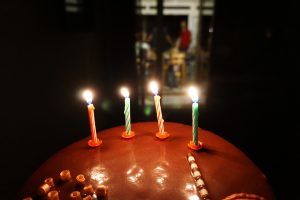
(49, 55)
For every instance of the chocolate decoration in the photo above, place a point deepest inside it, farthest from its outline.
(50, 182)
(53, 195)
(101, 191)
(65, 175)
(43, 189)
(89, 197)
(88, 189)
(75, 195)
(145, 167)
(80, 179)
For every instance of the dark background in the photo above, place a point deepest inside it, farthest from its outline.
(47, 57)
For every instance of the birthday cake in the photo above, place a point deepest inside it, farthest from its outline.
(145, 167)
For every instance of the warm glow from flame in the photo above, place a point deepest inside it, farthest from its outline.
(193, 92)
(194, 197)
(88, 96)
(124, 91)
(153, 87)
(99, 174)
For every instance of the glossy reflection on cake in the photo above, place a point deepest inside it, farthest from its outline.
(99, 174)
(134, 174)
(160, 176)
(190, 191)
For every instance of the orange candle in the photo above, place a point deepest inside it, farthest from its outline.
(94, 142)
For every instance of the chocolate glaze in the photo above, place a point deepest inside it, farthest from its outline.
(145, 167)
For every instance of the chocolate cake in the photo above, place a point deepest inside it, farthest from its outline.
(145, 167)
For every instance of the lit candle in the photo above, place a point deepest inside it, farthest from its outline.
(128, 133)
(161, 130)
(195, 144)
(88, 96)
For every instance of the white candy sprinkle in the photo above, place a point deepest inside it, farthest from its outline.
(197, 173)
(203, 192)
(199, 183)
(191, 158)
(194, 166)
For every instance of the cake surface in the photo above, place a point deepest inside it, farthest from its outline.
(147, 168)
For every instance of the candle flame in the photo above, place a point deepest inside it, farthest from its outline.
(153, 87)
(88, 96)
(124, 92)
(193, 92)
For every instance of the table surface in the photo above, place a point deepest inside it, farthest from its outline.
(147, 168)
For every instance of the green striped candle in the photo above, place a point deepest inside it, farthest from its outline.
(193, 92)
(125, 93)
(127, 115)
(195, 122)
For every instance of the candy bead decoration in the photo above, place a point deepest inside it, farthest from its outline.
(196, 174)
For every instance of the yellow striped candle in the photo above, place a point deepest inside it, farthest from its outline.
(158, 114)
(161, 134)
(154, 89)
